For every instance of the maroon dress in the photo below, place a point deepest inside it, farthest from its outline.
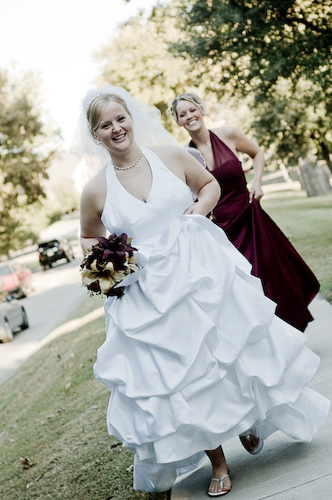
(286, 278)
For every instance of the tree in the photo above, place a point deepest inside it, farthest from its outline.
(280, 51)
(138, 58)
(289, 121)
(24, 157)
(280, 38)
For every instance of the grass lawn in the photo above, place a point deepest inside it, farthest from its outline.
(53, 440)
(307, 222)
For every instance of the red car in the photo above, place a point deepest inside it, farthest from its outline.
(15, 279)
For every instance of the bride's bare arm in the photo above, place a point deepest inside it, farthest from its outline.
(202, 184)
(206, 189)
(92, 203)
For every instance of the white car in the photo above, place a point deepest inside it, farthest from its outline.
(13, 317)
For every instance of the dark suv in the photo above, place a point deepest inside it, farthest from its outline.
(53, 250)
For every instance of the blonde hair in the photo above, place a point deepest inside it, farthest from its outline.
(187, 96)
(97, 106)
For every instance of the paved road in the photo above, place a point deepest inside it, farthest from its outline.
(57, 293)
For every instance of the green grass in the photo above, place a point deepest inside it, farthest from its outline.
(307, 222)
(53, 414)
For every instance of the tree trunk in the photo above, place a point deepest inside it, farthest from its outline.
(316, 177)
(284, 171)
(326, 155)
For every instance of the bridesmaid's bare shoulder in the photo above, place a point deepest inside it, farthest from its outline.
(227, 133)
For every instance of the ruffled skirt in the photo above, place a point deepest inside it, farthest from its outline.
(195, 355)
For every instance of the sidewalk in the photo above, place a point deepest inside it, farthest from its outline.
(285, 469)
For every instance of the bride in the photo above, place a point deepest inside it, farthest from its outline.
(194, 354)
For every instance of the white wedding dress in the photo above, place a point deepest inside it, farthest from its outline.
(194, 354)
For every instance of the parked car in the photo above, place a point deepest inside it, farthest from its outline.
(15, 279)
(54, 250)
(13, 317)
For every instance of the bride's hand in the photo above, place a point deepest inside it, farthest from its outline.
(196, 208)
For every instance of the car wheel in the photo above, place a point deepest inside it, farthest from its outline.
(7, 334)
(25, 322)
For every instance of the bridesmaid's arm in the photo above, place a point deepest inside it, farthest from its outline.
(256, 190)
(243, 144)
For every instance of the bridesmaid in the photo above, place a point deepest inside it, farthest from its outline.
(286, 278)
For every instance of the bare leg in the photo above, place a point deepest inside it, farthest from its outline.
(219, 469)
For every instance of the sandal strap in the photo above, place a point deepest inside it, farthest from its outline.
(219, 480)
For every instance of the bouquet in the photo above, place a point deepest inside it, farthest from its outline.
(107, 264)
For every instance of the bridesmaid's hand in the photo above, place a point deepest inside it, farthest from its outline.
(256, 191)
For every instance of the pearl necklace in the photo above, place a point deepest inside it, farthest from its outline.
(131, 166)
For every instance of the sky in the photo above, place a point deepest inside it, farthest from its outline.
(56, 39)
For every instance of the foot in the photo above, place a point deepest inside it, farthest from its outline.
(252, 443)
(220, 483)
